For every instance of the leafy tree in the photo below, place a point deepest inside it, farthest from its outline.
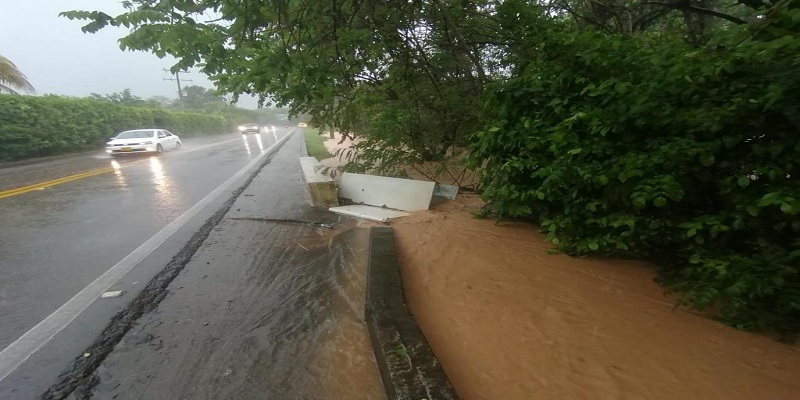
(159, 101)
(690, 18)
(199, 98)
(648, 146)
(125, 98)
(11, 79)
(416, 61)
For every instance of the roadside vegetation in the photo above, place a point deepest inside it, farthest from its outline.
(50, 125)
(315, 144)
(660, 130)
(36, 126)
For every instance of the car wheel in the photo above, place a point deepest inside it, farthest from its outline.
(178, 145)
(159, 149)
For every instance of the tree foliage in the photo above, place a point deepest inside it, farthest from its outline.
(651, 146)
(12, 79)
(125, 98)
(406, 73)
(199, 98)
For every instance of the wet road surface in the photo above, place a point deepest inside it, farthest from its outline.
(57, 240)
(269, 307)
(279, 301)
(277, 323)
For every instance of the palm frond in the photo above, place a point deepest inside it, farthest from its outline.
(12, 80)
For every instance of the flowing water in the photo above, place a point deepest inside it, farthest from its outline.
(286, 324)
(270, 306)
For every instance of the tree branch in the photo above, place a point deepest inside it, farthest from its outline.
(684, 5)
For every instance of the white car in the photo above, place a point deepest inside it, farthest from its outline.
(143, 141)
(249, 128)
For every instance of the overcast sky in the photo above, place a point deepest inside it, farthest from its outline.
(58, 58)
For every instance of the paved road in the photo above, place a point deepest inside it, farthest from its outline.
(57, 240)
(230, 289)
(125, 224)
(270, 306)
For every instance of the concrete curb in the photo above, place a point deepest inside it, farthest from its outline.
(303, 148)
(320, 187)
(409, 369)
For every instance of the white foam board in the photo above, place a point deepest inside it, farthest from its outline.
(381, 191)
(369, 212)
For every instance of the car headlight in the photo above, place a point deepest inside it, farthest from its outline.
(148, 142)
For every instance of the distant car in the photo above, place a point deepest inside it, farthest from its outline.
(143, 141)
(302, 125)
(245, 128)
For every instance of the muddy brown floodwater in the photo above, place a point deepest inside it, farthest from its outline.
(509, 321)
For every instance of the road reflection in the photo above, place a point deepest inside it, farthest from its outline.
(246, 145)
(166, 195)
(260, 143)
(119, 177)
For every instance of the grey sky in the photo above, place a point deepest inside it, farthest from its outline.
(58, 58)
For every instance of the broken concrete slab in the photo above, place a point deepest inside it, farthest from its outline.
(321, 188)
(382, 191)
(369, 212)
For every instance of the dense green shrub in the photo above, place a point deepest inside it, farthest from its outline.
(649, 147)
(41, 126)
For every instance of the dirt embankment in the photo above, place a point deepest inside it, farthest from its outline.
(509, 321)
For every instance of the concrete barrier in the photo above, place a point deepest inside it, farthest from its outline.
(321, 187)
(409, 369)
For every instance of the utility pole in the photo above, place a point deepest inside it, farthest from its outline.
(177, 79)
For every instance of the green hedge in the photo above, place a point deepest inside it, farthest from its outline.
(33, 126)
(642, 147)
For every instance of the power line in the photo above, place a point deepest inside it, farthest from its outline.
(177, 79)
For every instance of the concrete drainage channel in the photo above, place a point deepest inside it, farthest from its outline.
(409, 369)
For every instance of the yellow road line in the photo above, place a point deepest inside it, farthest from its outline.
(99, 171)
(46, 184)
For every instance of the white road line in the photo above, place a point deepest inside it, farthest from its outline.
(16, 353)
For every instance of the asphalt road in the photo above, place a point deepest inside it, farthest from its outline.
(57, 240)
(269, 306)
(93, 222)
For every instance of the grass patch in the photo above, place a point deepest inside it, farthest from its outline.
(314, 144)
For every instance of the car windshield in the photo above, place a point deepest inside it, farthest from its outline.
(250, 125)
(134, 135)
